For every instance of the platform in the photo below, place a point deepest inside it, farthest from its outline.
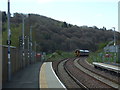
(107, 66)
(48, 78)
(24, 79)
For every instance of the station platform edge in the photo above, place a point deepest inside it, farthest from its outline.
(48, 78)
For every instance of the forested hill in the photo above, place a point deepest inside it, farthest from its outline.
(52, 35)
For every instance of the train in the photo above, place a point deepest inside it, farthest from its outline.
(79, 52)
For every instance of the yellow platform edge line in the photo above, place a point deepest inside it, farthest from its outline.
(42, 77)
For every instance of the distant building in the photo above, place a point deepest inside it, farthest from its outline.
(111, 48)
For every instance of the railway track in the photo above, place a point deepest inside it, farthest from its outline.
(75, 79)
(95, 75)
(67, 80)
(74, 75)
(109, 79)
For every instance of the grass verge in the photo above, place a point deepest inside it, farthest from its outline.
(59, 55)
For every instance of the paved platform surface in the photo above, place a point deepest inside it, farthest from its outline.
(108, 66)
(26, 78)
(48, 78)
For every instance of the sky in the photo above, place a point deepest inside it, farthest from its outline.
(77, 12)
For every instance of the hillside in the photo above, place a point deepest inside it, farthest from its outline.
(52, 35)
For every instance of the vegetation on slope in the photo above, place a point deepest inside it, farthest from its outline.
(51, 35)
(59, 55)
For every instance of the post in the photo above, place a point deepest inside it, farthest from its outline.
(119, 53)
(119, 30)
(35, 51)
(23, 41)
(9, 42)
(114, 46)
(28, 50)
(0, 50)
(31, 44)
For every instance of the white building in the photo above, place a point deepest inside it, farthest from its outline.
(111, 48)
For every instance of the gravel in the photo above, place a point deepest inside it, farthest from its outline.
(85, 79)
(103, 73)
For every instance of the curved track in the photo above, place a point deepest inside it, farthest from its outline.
(95, 75)
(75, 75)
(68, 79)
(106, 78)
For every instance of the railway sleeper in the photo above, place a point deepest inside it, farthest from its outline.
(83, 87)
(108, 71)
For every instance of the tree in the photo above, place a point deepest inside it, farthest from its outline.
(104, 28)
(52, 35)
(64, 25)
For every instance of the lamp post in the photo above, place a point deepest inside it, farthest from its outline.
(35, 50)
(23, 44)
(28, 50)
(23, 38)
(30, 44)
(9, 42)
(114, 46)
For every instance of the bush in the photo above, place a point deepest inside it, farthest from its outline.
(59, 52)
